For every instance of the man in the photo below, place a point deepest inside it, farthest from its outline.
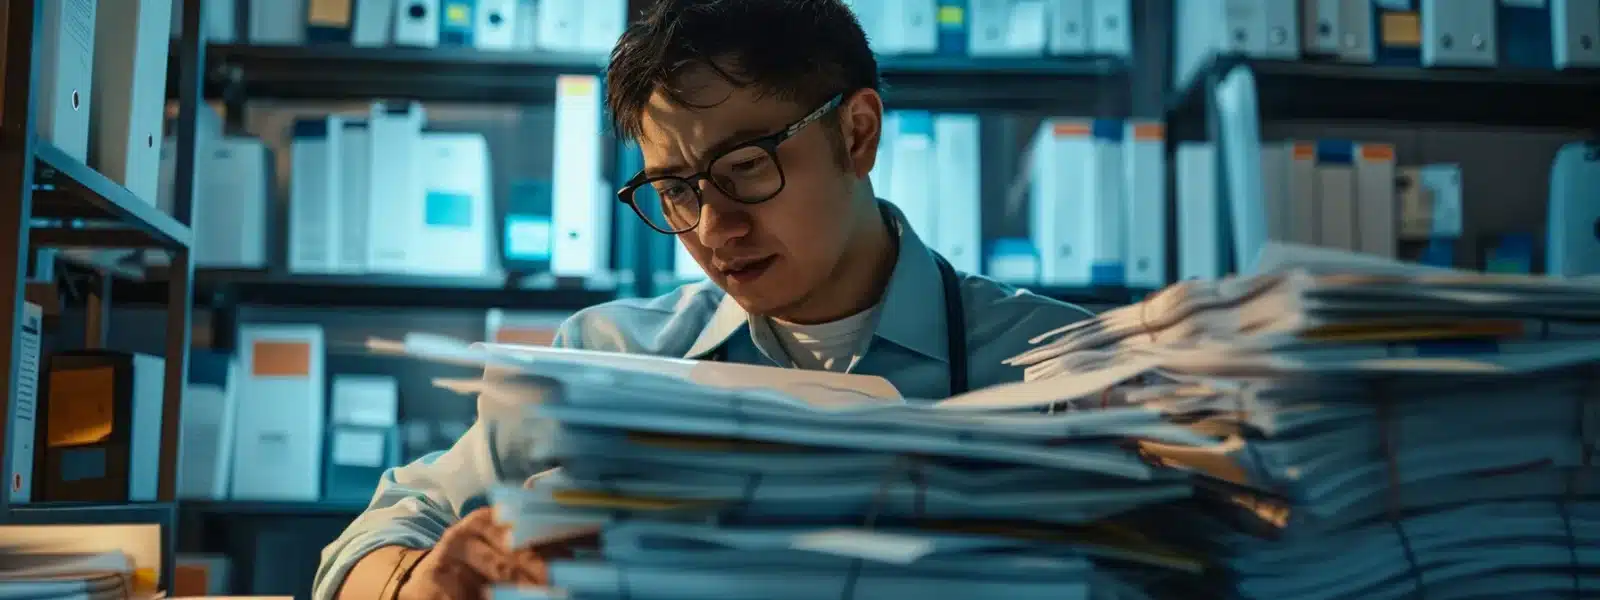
(759, 122)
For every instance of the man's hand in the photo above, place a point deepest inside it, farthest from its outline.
(472, 554)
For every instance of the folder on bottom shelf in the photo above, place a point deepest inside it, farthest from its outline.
(91, 561)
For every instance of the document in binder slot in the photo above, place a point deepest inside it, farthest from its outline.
(363, 436)
(129, 93)
(100, 438)
(66, 75)
(279, 437)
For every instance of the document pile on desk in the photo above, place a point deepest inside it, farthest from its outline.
(707, 480)
(1389, 431)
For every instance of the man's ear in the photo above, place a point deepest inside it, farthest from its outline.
(861, 125)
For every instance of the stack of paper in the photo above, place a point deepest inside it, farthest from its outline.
(1399, 433)
(726, 481)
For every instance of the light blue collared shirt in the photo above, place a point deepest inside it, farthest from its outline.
(415, 503)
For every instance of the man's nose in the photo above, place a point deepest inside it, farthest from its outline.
(722, 219)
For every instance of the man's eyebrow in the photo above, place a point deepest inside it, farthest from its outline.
(728, 142)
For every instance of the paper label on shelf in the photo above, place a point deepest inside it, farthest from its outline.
(81, 406)
(358, 448)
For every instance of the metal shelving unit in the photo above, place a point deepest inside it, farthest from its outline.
(55, 200)
(1297, 91)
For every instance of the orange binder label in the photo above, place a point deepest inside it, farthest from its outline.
(1401, 29)
(1149, 131)
(1304, 151)
(1071, 129)
(329, 13)
(526, 336)
(1383, 152)
(280, 359)
(82, 406)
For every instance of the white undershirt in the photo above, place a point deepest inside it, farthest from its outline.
(826, 346)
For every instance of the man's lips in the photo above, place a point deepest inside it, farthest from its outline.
(746, 270)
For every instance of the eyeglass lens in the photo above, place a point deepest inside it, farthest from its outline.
(749, 174)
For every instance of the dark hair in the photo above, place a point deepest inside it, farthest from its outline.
(805, 51)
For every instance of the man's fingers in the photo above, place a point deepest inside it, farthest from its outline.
(488, 558)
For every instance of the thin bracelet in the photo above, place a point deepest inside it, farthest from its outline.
(402, 572)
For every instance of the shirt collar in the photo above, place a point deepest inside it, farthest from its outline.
(904, 316)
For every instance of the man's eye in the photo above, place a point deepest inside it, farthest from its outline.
(752, 164)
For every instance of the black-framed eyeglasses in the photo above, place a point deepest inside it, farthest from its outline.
(749, 173)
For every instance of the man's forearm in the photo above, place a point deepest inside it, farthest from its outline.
(379, 574)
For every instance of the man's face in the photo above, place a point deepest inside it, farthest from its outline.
(769, 256)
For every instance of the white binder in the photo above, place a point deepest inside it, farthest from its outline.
(66, 75)
(455, 226)
(394, 188)
(1144, 164)
(911, 181)
(1069, 27)
(494, 26)
(277, 22)
(911, 27)
(559, 25)
(1459, 33)
(130, 91)
(1110, 27)
(600, 24)
(23, 417)
(582, 211)
(373, 25)
(416, 23)
(279, 434)
(231, 227)
(1199, 229)
(959, 196)
(314, 189)
(1062, 209)
(1575, 33)
(1574, 246)
(354, 204)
